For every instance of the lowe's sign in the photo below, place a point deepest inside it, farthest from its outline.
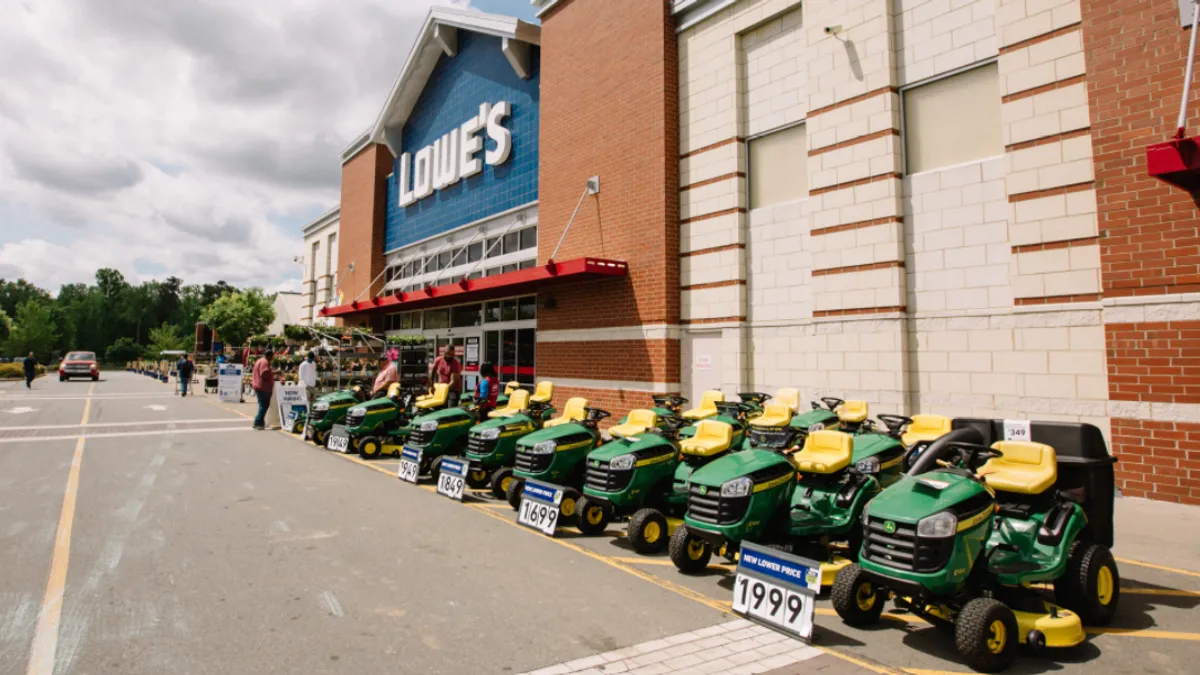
(454, 156)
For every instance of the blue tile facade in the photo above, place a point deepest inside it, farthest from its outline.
(479, 73)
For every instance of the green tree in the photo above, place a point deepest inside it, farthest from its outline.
(5, 326)
(166, 337)
(238, 315)
(123, 350)
(33, 331)
(13, 294)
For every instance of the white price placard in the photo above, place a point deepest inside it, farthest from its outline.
(410, 465)
(339, 439)
(452, 478)
(540, 507)
(1017, 430)
(229, 382)
(777, 589)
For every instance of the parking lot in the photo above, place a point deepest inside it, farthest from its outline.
(143, 532)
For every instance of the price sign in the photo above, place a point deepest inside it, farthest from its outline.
(410, 464)
(539, 506)
(777, 589)
(452, 478)
(292, 423)
(1017, 430)
(339, 439)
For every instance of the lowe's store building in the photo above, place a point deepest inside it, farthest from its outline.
(850, 197)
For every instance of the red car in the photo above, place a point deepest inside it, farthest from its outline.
(79, 364)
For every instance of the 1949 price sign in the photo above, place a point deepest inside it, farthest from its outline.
(777, 589)
(410, 464)
(540, 507)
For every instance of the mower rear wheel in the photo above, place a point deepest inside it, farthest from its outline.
(320, 437)
(516, 486)
(477, 480)
(648, 531)
(500, 482)
(855, 597)
(435, 469)
(370, 447)
(1091, 585)
(592, 518)
(689, 552)
(569, 506)
(985, 634)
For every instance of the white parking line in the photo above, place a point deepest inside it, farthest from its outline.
(118, 424)
(124, 434)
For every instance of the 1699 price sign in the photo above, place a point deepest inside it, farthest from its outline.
(540, 507)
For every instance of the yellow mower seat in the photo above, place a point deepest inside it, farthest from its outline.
(789, 396)
(517, 402)
(774, 415)
(1025, 468)
(853, 412)
(574, 412)
(543, 393)
(712, 437)
(510, 387)
(825, 452)
(707, 407)
(437, 399)
(637, 422)
(393, 390)
(926, 428)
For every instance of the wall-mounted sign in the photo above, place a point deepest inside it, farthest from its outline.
(451, 158)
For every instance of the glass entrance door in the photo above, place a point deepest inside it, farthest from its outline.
(513, 352)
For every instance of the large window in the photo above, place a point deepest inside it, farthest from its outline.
(778, 166)
(953, 120)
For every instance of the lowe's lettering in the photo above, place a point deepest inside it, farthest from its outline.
(452, 157)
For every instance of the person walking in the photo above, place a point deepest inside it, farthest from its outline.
(448, 370)
(308, 375)
(387, 375)
(185, 368)
(487, 390)
(30, 364)
(262, 380)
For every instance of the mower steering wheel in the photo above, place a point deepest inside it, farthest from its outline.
(894, 423)
(754, 397)
(969, 456)
(596, 414)
(831, 402)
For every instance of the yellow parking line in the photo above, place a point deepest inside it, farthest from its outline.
(1145, 633)
(1176, 570)
(666, 562)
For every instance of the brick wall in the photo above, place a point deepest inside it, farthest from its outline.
(609, 108)
(360, 239)
(1159, 460)
(620, 360)
(618, 402)
(1154, 362)
(1136, 57)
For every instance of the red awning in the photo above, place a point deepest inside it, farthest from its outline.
(485, 288)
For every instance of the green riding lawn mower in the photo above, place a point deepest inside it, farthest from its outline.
(379, 426)
(492, 444)
(797, 489)
(329, 410)
(556, 455)
(978, 521)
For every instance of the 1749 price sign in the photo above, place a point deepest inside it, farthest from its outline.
(777, 589)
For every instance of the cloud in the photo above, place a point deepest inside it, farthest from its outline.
(183, 138)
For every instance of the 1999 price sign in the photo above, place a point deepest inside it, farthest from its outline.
(773, 604)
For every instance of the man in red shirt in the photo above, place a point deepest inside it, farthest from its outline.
(448, 370)
(262, 379)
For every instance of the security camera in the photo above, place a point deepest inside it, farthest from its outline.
(833, 30)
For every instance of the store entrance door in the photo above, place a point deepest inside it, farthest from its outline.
(513, 352)
(466, 348)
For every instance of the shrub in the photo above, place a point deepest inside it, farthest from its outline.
(10, 371)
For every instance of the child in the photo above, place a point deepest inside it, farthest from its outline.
(487, 390)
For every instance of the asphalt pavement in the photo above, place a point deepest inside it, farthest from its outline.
(145, 533)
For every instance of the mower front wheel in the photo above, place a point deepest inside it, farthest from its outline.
(689, 552)
(500, 482)
(435, 469)
(516, 486)
(1090, 586)
(593, 516)
(477, 480)
(569, 506)
(985, 634)
(856, 598)
(320, 437)
(370, 447)
(648, 531)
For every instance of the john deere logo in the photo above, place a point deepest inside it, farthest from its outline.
(595, 462)
(703, 489)
(889, 526)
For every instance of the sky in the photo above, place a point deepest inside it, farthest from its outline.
(191, 139)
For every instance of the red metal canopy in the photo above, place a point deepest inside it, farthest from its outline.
(485, 288)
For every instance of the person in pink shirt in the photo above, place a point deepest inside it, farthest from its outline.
(262, 380)
(387, 375)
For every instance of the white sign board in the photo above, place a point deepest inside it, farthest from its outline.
(777, 589)
(290, 397)
(229, 382)
(1017, 430)
(409, 470)
(452, 478)
(704, 362)
(540, 504)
